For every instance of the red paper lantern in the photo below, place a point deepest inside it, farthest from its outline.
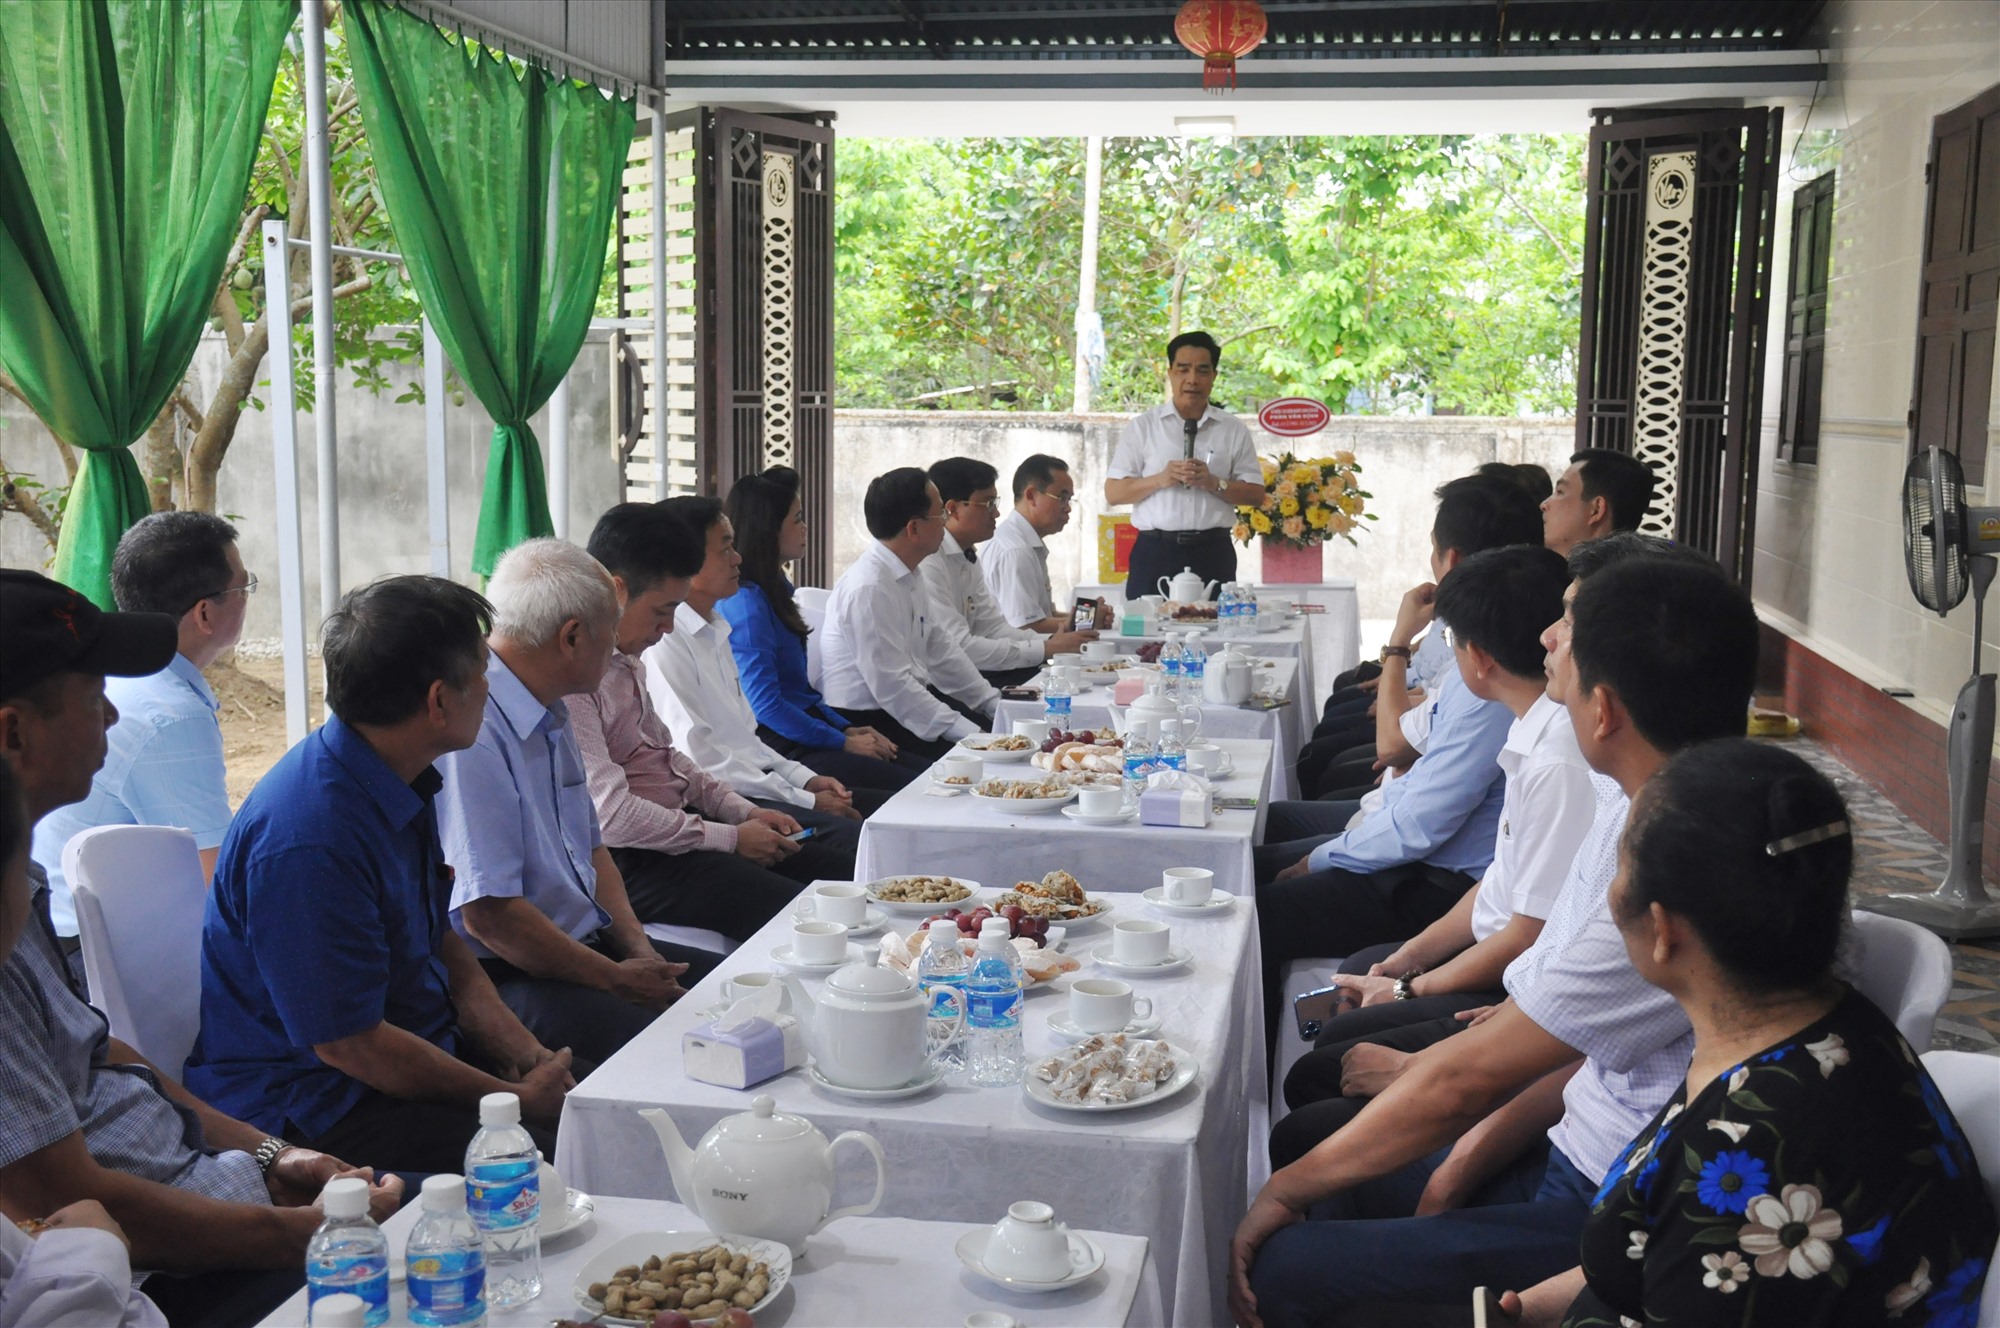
(1220, 31)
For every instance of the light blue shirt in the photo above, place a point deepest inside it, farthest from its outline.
(516, 816)
(162, 766)
(1446, 810)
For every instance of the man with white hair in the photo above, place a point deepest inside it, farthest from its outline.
(536, 894)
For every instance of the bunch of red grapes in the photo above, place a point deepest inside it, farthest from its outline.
(1020, 922)
(1058, 738)
(1149, 653)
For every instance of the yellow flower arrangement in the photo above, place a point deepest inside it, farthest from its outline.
(1310, 500)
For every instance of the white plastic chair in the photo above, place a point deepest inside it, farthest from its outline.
(139, 898)
(1905, 970)
(812, 607)
(1970, 1083)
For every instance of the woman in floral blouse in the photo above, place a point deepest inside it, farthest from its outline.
(1808, 1172)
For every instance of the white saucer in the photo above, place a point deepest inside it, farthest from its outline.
(1226, 772)
(1076, 814)
(1065, 1028)
(782, 955)
(972, 1246)
(923, 1083)
(575, 1210)
(1178, 956)
(871, 921)
(1217, 903)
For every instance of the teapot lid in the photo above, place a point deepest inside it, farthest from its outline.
(870, 980)
(763, 1123)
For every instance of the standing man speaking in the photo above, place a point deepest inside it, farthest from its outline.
(1185, 468)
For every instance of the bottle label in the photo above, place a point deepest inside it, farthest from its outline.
(330, 1277)
(504, 1196)
(995, 1009)
(448, 1286)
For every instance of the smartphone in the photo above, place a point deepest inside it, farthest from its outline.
(802, 834)
(1236, 803)
(1312, 1010)
(1486, 1311)
(1084, 618)
(1020, 693)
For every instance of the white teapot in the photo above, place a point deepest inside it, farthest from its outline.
(869, 1028)
(1187, 588)
(760, 1173)
(1227, 681)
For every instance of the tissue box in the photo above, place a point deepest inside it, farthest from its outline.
(1132, 624)
(751, 1052)
(1188, 807)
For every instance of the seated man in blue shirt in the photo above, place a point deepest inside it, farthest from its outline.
(338, 1007)
(216, 1210)
(165, 765)
(538, 898)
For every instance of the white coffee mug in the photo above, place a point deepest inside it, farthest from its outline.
(1100, 800)
(838, 902)
(962, 768)
(1099, 649)
(1034, 730)
(1030, 1245)
(1187, 885)
(1105, 1005)
(1204, 757)
(819, 942)
(1069, 661)
(1140, 941)
(752, 984)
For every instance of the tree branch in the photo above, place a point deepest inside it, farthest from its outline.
(14, 498)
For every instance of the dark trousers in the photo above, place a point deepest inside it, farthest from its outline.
(421, 1138)
(835, 839)
(1360, 1254)
(1333, 913)
(234, 1298)
(1158, 553)
(1010, 677)
(857, 772)
(1292, 819)
(1330, 763)
(721, 892)
(593, 1024)
(930, 748)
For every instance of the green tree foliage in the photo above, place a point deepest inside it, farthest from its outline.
(1370, 273)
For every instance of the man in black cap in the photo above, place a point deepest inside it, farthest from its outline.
(82, 1115)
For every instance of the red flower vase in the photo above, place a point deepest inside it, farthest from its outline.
(1287, 564)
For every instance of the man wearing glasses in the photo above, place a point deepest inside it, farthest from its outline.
(1016, 563)
(164, 764)
(1185, 468)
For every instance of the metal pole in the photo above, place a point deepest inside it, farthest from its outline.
(436, 477)
(659, 412)
(285, 477)
(319, 211)
(1086, 282)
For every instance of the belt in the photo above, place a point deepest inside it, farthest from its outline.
(1187, 536)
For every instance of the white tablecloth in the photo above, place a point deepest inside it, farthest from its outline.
(863, 1272)
(917, 832)
(1335, 635)
(1287, 727)
(1179, 1172)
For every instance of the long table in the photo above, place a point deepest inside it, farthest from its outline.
(916, 831)
(861, 1272)
(1179, 1172)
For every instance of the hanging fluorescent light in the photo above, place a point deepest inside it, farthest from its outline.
(1205, 126)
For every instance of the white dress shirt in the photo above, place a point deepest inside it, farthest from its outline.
(881, 648)
(966, 611)
(1016, 565)
(691, 676)
(1547, 810)
(1155, 437)
(70, 1277)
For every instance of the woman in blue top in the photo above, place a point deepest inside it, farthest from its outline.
(768, 638)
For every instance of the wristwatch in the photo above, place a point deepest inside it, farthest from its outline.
(1395, 652)
(268, 1152)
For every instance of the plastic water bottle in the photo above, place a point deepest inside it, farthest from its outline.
(1056, 701)
(349, 1252)
(1170, 664)
(940, 969)
(1194, 670)
(1228, 606)
(1138, 758)
(503, 1195)
(1172, 753)
(446, 1258)
(993, 1014)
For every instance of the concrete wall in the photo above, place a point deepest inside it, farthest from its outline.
(384, 513)
(1403, 460)
(1829, 556)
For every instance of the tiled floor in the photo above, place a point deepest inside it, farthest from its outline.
(1892, 854)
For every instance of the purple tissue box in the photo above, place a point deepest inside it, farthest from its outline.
(759, 1049)
(1188, 807)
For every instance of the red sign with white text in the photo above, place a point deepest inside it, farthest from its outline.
(1293, 417)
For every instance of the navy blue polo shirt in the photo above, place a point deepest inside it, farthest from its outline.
(329, 906)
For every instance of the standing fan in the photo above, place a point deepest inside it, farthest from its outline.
(1947, 547)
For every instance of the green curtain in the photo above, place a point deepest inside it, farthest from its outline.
(127, 132)
(501, 185)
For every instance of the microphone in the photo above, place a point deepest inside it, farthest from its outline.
(1187, 432)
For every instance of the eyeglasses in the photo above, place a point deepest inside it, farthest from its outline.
(1066, 499)
(247, 589)
(979, 502)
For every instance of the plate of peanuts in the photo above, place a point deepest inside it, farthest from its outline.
(676, 1277)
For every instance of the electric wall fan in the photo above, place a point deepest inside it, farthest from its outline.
(1947, 549)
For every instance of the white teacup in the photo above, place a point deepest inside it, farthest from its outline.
(1030, 1245)
(1034, 730)
(819, 942)
(838, 902)
(1099, 649)
(1140, 941)
(968, 768)
(745, 985)
(1187, 885)
(555, 1190)
(1204, 757)
(1071, 661)
(1274, 604)
(1150, 605)
(1100, 800)
(1105, 1005)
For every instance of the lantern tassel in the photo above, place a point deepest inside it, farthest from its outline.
(1218, 73)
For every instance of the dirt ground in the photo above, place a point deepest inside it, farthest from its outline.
(253, 716)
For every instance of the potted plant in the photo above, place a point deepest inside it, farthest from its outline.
(1309, 500)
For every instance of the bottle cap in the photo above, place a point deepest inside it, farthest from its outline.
(498, 1109)
(342, 1309)
(346, 1197)
(993, 927)
(444, 1194)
